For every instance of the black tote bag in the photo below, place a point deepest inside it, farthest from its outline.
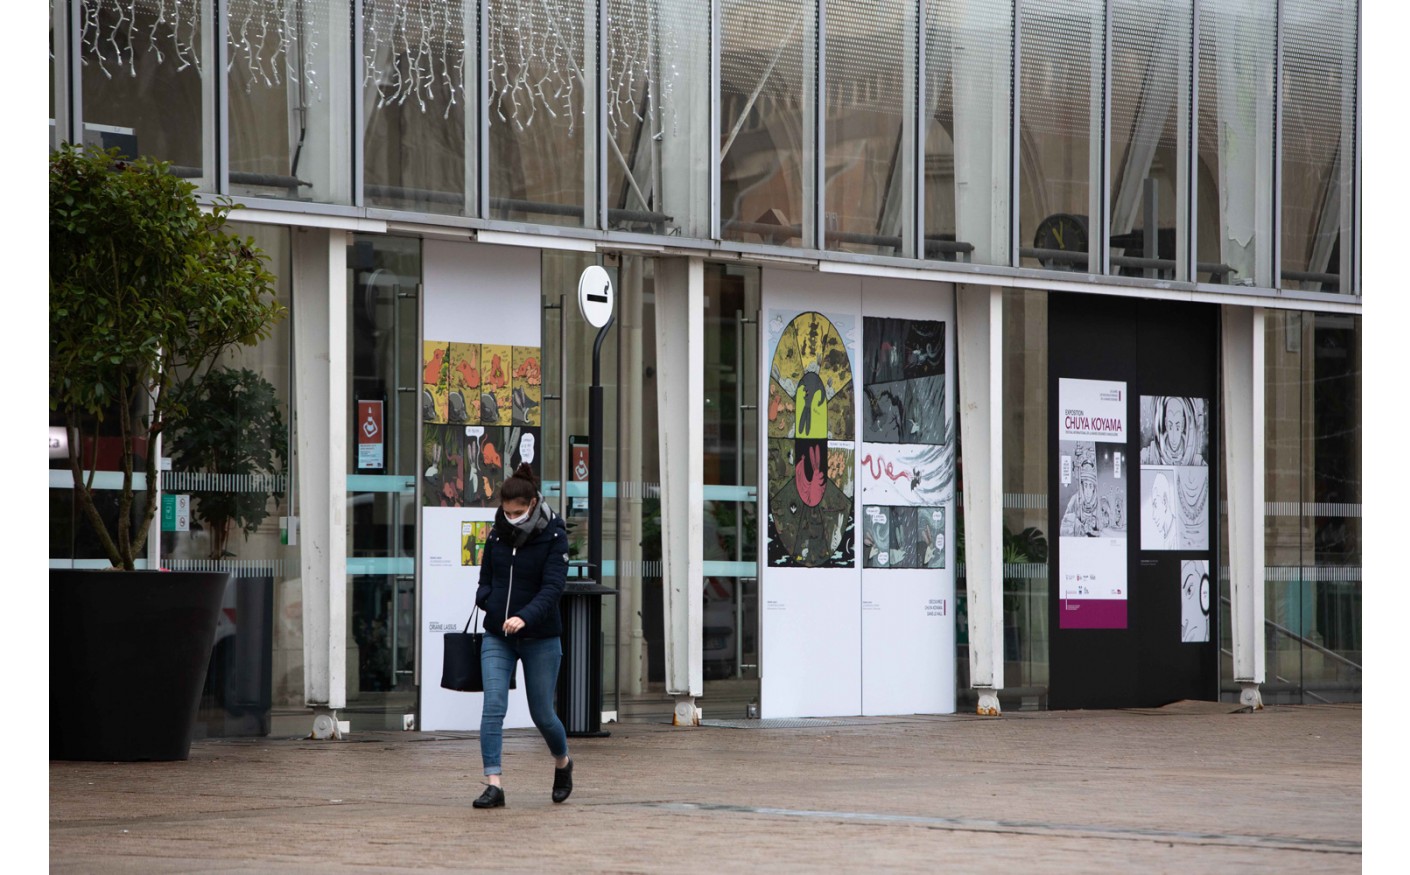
(460, 665)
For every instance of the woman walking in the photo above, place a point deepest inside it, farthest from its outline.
(521, 579)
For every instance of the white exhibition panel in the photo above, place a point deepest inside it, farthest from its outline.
(841, 639)
(908, 643)
(908, 614)
(810, 622)
(812, 644)
(471, 294)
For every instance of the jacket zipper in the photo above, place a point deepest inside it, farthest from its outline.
(513, 551)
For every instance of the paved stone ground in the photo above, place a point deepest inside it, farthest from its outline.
(1187, 788)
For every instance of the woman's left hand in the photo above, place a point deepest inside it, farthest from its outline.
(512, 625)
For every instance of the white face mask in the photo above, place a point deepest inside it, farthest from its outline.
(518, 520)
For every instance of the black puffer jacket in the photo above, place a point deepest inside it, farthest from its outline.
(522, 574)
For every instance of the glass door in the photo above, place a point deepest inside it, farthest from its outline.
(731, 611)
(384, 280)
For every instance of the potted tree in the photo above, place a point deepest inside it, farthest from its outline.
(146, 291)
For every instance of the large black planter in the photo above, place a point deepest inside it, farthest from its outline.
(128, 652)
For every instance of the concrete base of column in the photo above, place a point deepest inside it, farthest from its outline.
(686, 712)
(1250, 697)
(988, 702)
(327, 726)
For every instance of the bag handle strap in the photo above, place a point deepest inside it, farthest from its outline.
(473, 611)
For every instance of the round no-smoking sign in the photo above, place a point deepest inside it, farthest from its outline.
(596, 297)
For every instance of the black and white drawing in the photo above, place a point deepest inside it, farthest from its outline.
(1159, 510)
(1194, 600)
(1174, 431)
(1174, 473)
(1091, 490)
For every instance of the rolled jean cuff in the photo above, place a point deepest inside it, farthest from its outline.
(493, 770)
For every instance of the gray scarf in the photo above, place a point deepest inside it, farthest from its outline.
(518, 534)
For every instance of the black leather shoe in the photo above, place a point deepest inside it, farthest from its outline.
(563, 782)
(493, 797)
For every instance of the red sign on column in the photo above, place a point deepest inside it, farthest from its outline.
(369, 435)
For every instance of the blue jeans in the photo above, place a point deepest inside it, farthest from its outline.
(541, 657)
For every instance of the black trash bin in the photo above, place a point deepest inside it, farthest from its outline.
(580, 678)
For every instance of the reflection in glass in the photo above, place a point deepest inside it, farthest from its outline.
(767, 147)
(1318, 119)
(145, 81)
(288, 81)
(870, 109)
(232, 455)
(1150, 72)
(731, 611)
(539, 90)
(419, 152)
(658, 101)
(1025, 514)
(1312, 528)
(1235, 205)
(968, 117)
(1059, 138)
(383, 275)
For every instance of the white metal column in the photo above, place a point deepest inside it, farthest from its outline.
(680, 398)
(979, 312)
(320, 306)
(1244, 463)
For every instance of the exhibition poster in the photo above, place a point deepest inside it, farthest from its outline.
(1092, 476)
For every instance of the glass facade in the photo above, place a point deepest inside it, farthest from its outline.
(147, 82)
(1234, 206)
(540, 92)
(289, 107)
(657, 103)
(235, 469)
(870, 88)
(1153, 140)
(768, 117)
(1312, 528)
(1150, 92)
(1061, 56)
(1318, 130)
(966, 127)
(1025, 495)
(419, 105)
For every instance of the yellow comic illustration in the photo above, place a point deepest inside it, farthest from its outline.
(463, 368)
(496, 389)
(435, 378)
(528, 386)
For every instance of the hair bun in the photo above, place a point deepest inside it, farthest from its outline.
(525, 470)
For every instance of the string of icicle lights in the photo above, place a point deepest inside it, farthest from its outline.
(413, 50)
(272, 42)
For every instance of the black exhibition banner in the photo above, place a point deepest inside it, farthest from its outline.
(1133, 485)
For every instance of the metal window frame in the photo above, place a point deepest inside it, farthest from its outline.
(1352, 284)
(358, 72)
(919, 122)
(481, 208)
(1099, 193)
(1015, 144)
(819, 168)
(1191, 261)
(716, 29)
(221, 55)
(1276, 280)
(596, 190)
